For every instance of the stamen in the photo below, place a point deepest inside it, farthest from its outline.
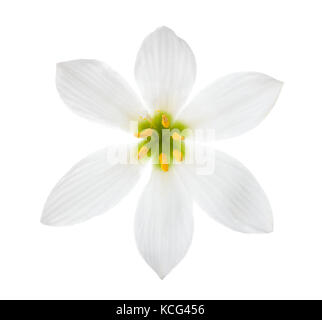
(177, 155)
(166, 149)
(165, 121)
(145, 133)
(143, 152)
(177, 137)
(163, 162)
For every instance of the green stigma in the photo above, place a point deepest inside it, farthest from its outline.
(162, 140)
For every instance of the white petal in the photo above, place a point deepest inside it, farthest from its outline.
(90, 188)
(165, 70)
(93, 90)
(230, 195)
(233, 104)
(164, 222)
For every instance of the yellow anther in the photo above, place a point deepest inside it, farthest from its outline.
(164, 167)
(145, 133)
(143, 152)
(177, 155)
(165, 121)
(177, 137)
(163, 162)
(163, 158)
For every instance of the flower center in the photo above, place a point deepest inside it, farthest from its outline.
(162, 140)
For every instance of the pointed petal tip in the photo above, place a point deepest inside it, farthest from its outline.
(264, 229)
(44, 218)
(53, 223)
(46, 221)
(164, 28)
(263, 226)
(161, 273)
(59, 67)
(50, 221)
(61, 64)
(43, 221)
(161, 276)
(269, 229)
(279, 83)
(49, 224)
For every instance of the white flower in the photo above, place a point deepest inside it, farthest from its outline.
(165, 71)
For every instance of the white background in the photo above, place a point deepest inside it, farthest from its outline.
(41, 139)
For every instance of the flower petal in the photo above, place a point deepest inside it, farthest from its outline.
(165, 70)
(230, 195)
(90, 188)
(164, 222)
(94, 91)
(233, 104)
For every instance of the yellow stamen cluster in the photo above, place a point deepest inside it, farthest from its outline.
(156, 131)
